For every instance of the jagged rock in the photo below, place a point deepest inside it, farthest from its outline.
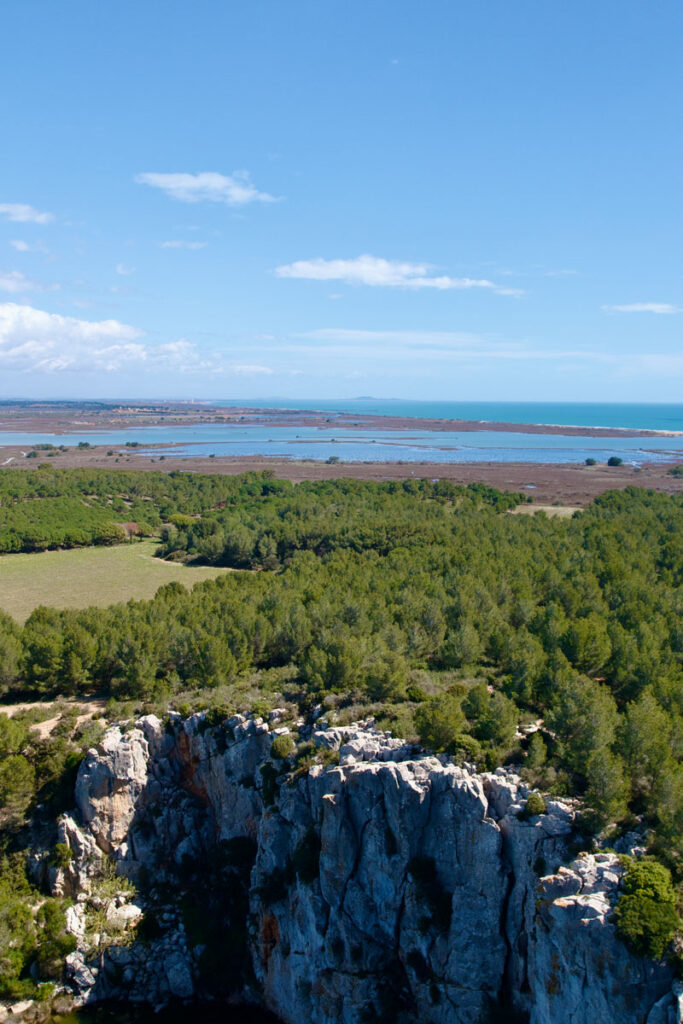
(73, 877)
(395, 886)
(123, 916)
(80, 975)
(676, 1010)
(110, 782)
(356, 743)
(179, 976)
(62, 1003)
(75, 921)
(17, 1009)
(578, 969)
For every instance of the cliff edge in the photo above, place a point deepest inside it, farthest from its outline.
(392, 886)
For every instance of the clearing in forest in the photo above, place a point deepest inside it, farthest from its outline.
(82, 577)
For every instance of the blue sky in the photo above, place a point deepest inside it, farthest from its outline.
(448, 200)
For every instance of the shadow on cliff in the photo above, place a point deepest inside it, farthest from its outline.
(123, 1013)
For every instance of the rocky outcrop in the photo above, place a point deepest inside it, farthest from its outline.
(573, 916)
(392, 886)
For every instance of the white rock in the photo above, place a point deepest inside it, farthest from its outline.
(388, 866)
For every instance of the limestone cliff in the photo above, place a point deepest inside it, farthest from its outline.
(391, 887)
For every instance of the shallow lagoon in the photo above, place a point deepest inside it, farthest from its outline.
(374, 445)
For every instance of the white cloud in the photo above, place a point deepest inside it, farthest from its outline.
(251, 369)
(21, 246)
(381, 273)
(33, 341)
(123, 270)
(454, 350)
(208, 186)
(644, 307)
(24, 214)
(452, 345)
(447, 339)
(14, 281)
(659, 363)
(175, 244)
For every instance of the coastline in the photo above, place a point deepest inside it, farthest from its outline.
(63, 419)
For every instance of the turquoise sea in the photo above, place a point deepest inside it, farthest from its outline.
(374, 444)
(639, 416)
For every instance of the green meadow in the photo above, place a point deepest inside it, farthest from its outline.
(82, 577)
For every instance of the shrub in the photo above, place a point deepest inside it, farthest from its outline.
(590, 462)
(614, 460)
(416, 693)
(465, 748)
(282, 746)
(62, 855)
(439, 722)
(646, 912)
(534, 806)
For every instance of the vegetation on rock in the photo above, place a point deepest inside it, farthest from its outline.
(646, 912)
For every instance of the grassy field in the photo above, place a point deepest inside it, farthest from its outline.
(89, 576)
(563, 511)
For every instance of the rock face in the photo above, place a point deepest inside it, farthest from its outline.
(392, 887)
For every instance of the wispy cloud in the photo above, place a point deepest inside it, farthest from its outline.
(658, 363)
(236, 189)
(381, 273)
(21, 246)
(14, 281)
(123, 270)
(451, 351)
(446, 339)
(24, 214)
(251, 369)
(662, 308)
(175, 244)
(452, 345)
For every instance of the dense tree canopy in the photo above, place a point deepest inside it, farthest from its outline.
(427, 601)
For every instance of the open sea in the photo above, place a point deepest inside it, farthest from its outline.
(641, 416)
(371, 443)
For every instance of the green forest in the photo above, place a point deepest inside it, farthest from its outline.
(555, 644)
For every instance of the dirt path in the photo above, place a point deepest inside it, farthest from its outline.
(90, 708)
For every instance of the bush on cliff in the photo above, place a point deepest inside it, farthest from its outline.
(282, 746)
(439, 722)
(646, 912)
(534, 806)
(33, 938)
